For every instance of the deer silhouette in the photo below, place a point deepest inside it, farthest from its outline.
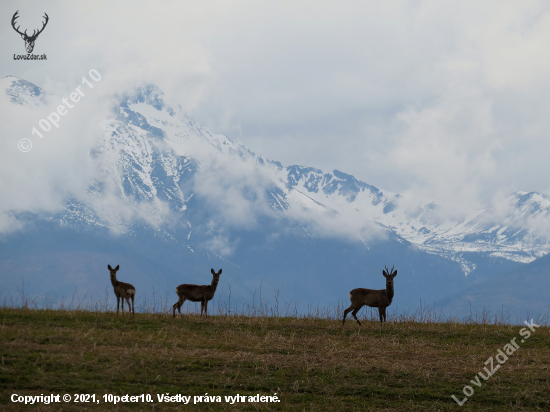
(29, 40)
(380, 299)
(196, 293)
(122, 290)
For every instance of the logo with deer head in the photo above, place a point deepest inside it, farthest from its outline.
(29, 40)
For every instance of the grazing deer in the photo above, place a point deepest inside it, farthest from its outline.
(196, 293)
(122, 290)
(380, 299)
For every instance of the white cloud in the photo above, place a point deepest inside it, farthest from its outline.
(446, 98)
(351, 225)
(235, 188)
(221, 245)
(57, 166)
(448, 148)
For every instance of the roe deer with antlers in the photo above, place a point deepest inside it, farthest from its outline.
(380, 299)
(196, 293)
(122, 290)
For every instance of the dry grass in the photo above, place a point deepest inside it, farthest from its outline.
(311, 363)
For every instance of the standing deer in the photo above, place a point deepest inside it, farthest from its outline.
(122, 290)
(196, 293)
(380, 299)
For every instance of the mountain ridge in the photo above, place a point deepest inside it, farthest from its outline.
(163, 176)
(148, 141)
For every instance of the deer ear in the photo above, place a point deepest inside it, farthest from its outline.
(384, 273)
(212, 270)
(220, 272)
(117, 266)
(395, 273)
(109, 267)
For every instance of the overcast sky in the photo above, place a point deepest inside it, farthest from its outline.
(447, 99)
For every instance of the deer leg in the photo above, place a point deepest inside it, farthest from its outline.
(206, 308)
(380, 313)
(354, 313)
(128, 302)
(202, 307)
(177, 305)
(133, 313)
(384, 313)
(117, 304)
(348, 310)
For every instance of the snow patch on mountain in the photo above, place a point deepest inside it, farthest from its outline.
(23, 92)
(153, 158)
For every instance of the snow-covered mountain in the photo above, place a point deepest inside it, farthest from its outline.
(169, 196)
(23, 92)
(516, 229)
(152, 156)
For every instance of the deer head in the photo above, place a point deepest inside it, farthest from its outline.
(113, 271)
(29, 40)
(216, 275)
(389, 275)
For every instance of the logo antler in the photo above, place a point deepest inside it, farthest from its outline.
(29, 40)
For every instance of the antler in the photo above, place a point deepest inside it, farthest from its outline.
(43, 27)
(389, 272)
(34, 33)
(15, 16)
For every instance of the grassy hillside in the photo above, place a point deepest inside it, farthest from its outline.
(312, 364)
